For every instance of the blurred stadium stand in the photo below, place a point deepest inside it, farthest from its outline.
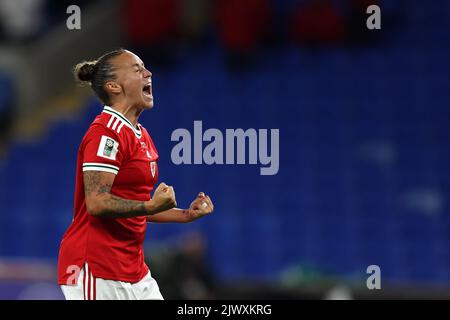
(364, 162)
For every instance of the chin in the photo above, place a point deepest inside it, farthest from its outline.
(148, 104)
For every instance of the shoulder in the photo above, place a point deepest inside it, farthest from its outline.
(112, 122)
(101, 126)
(118, 123)
(100, 135)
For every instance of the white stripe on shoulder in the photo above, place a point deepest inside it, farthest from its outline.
(120, 127)
(110, 121)
(108, 110)
(115, 124)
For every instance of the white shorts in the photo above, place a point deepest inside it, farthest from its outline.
(89, 287)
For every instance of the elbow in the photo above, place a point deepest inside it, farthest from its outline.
(94, 207)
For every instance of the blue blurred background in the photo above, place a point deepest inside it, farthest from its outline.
(364, 172)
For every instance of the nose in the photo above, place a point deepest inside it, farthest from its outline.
(147, 73)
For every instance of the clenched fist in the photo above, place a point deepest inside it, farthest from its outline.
(164, 198)
(201, 206)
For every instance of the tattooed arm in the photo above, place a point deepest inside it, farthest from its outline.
(101, 203)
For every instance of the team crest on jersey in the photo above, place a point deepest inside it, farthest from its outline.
(108, 148)
(153, 168)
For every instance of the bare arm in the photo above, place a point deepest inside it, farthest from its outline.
(172, 215)
(100, 202)
(200, 207)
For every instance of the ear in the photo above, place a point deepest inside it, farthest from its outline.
(113, 87)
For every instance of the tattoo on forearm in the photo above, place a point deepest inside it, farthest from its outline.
(105, 188)
(116, 207)
(119, 207)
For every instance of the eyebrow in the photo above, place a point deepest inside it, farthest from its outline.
(138, 65)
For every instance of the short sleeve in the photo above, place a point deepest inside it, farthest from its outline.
(102, 151)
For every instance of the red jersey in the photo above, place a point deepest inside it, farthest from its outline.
(113, 248)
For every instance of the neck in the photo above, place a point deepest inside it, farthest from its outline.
(130, 112)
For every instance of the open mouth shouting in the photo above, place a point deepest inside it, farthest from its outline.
(147, 90)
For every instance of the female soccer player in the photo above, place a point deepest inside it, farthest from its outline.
(101, 254)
